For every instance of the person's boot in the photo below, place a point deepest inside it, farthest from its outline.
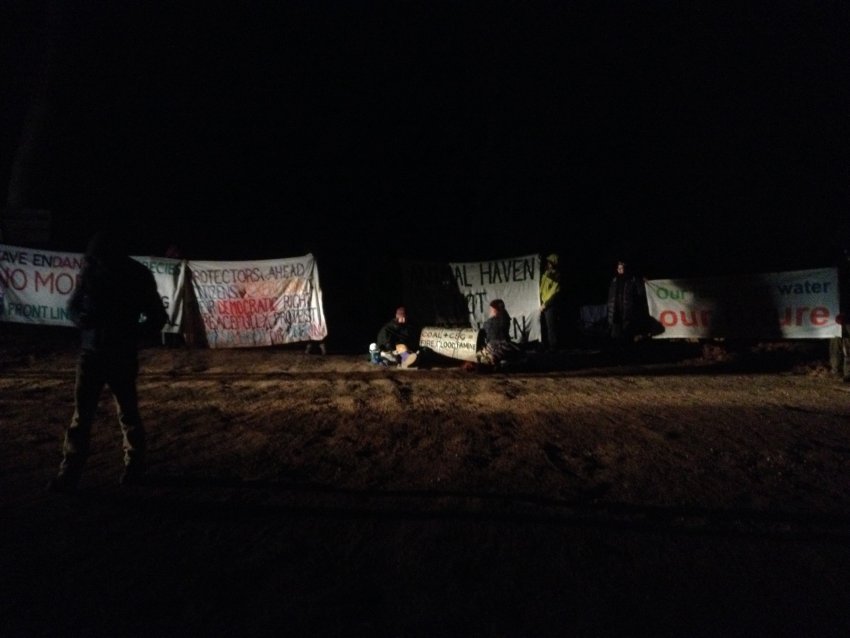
(65, 482)
(134, 474)
(70, 471)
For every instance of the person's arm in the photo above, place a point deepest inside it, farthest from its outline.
(555, 298)
(80, 305)
(553, 291)
(383, 339)
(152, 309)
(544, 290)
(415, 332)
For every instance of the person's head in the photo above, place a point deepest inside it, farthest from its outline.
(621, 267)
(105, 247)
(497, 306)
(401, 315)
(551, 261)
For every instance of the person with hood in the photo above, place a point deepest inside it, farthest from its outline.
(397, 340)
(115, 305)
(550, 300)
(626, 305)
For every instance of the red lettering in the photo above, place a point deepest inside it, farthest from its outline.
(693, 322)
(819, 316)
(668, 318)
(64, 283)
(244, 306)
(16, 279)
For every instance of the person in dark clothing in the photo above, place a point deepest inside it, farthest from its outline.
(397, 339)
(626, 305)
(839, 347)
(496, 333)
(115, 305)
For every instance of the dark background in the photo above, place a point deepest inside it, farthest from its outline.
(695, 138)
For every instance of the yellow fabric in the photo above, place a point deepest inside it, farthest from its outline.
(549, 287)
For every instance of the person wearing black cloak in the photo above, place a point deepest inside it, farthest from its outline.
(626, 305)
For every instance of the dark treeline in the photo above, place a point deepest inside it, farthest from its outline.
(691, 139)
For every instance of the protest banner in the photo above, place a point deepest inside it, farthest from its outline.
(35, 285)
(787, 305)
(458, 294)
(259, 303)
(456, 343)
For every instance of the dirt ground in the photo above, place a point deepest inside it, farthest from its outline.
(684, 490)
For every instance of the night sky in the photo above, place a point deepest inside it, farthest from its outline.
(696, 138)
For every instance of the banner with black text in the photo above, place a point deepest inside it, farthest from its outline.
(35, 285)
(458, 294)
(259, 303)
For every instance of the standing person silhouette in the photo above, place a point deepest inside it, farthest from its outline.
(550, 300)
(115, 305)
(839, 347)
(626, 305)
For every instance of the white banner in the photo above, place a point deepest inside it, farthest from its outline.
(35, 285)
(458, 294)
(170, 276)
(259, 303)
(801, 304)
(456, 343)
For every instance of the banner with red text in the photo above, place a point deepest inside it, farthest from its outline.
(458, 294)
(259, 303)
(801, 304)
(35, 285)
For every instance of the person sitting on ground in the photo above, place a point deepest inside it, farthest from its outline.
(397, 340)
(496, 332)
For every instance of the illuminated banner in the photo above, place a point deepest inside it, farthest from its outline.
(35, 285)
(790, 305)
(170, 276)
(259, 303)
(458, 294)
(457, 343)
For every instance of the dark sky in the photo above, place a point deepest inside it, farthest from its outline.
(696, 137)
